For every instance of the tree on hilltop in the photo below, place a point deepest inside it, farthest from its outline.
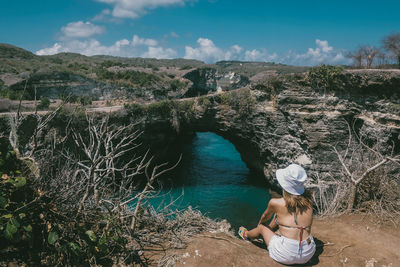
(370, 52)
(391, 43)
(364, 56)
(357, 57)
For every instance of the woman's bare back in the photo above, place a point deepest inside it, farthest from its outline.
(285, 218)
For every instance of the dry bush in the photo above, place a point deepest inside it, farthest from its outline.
(97, 184)
(329, 194)
(380, 194)
(369, 180)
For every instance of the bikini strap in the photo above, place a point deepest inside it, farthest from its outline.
(300, 239)
(307, 228)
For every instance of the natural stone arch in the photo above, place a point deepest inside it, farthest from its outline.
(298, 127)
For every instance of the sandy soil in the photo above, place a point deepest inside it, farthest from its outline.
(342, 241)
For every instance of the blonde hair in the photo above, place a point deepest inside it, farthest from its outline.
(299, 203)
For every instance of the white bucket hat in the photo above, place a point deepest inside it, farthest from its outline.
(292, 179)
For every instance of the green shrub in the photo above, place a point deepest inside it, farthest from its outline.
(135, 110)
(43, 104)
(162, 108)
(324, 77)
(135, 77)
(241, 100)
(177, 85)
(203, 102)
(185, 67)
(273, 86)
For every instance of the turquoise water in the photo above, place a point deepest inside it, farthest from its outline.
(213, 179)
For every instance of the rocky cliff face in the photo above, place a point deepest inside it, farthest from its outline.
(210, 80)
(299, 124)
(53, 85)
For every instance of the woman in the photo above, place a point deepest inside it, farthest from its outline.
(293, 215)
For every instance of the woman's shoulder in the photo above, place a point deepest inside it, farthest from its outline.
(277, 202)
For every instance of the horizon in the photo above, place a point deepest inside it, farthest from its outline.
(290, 33)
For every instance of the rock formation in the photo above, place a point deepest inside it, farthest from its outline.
(299, 124)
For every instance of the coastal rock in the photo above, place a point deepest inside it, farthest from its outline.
(300, 125)
(210, 80)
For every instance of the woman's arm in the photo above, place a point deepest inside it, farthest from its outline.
(268, 212)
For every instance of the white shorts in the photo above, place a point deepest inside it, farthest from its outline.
(286, 250)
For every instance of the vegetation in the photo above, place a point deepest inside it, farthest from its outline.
(324, 78)
(12, 52)
(132, 77)
(240, 100)
(44, 103)
(368, 180)
(369, 56)
(249, 69)
(176, 85)
(165, 108)
(272, 86)
(364, 56)
(60, 203)
(392, 44)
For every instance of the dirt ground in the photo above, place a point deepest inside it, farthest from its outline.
(350, 240)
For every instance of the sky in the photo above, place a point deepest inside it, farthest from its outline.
(296, 32)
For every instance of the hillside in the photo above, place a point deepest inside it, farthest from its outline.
(108, 77)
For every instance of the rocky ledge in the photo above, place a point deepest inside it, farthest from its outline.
(297, 123)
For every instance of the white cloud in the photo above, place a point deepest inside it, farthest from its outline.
(143, 41)
(102, 15)
(236, 49)
(324, 46)
(321, 54)
(259, 55)
(174, 35)
(55, 49)
(207, 51)
(138, 47)
(86, 47)
(135, 8)
(80, 29)
(159, 52)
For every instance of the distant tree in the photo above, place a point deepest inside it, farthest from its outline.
(364, 56)
(392, 44)
(357, 57)
(381, 58)
(369, 52)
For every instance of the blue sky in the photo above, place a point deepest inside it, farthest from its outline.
(300, 32)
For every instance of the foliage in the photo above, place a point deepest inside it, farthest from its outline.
(109, 63)
(324, 77)
(204, 102)
(177, 85)
(134, 77)
(241, 100)
(273, 86)
(44, 103)
(161, 108)
(78, 99)
(368, 180)
(186, 67)
(6, 92)
(392, 44)
(9, 51)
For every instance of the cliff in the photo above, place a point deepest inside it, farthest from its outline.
(297, 123)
